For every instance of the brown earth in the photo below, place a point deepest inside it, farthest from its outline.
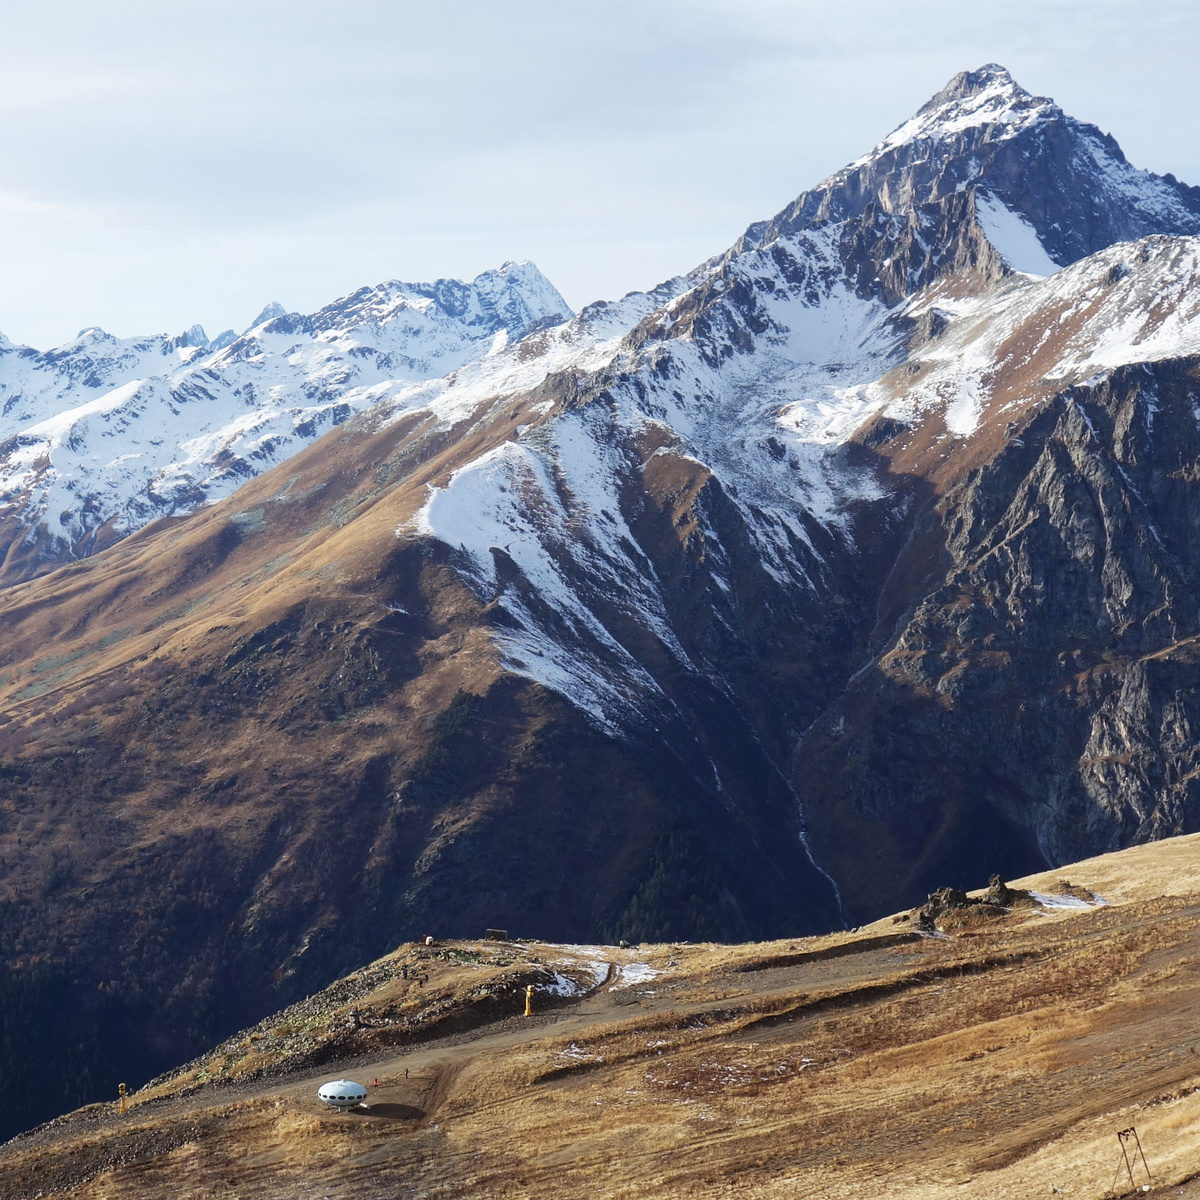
(999, 1063)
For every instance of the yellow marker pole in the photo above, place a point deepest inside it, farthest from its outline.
(529, 1000)
(121, 1093)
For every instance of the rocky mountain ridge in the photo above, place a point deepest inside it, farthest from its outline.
(102, 435)
(984, 132)
(857, 560)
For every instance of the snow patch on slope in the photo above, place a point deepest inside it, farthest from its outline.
(964, 410)
(634, 974)
(552, 511)
(1013, 237)
(779, 380)
(1133, 302)
(1067, 901)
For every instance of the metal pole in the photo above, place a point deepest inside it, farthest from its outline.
(1128, 1169)
(1142, 1153)
(1123, 1137)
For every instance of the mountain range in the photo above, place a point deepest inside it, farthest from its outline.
(859, 560)
(103, 435)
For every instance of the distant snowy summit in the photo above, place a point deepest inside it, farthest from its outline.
(423, 330)
(103, 434)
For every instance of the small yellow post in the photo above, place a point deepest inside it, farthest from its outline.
(121, 1093)
(529, 1000)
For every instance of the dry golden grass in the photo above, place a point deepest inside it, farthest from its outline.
(998, 1063)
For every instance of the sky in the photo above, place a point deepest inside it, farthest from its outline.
(169, 164)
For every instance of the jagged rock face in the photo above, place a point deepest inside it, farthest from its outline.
(1043, 687)
(984, 132)
(857, 562)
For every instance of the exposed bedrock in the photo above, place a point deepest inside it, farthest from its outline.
(1037, 696)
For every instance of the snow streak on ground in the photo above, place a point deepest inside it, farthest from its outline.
(563, 985)
(1064, 901)
(634, 974)
(586, 977)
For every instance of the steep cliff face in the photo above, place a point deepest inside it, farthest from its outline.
(1041, 679)
(860, 559)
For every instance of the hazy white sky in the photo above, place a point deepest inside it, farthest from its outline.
(167, 163)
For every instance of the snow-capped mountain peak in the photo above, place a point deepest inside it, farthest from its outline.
(1067, 180)
(986, 97)
(269, 312)
(193, 338)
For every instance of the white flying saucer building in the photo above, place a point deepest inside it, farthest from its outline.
(342, 1094)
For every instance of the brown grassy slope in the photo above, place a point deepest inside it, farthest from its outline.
(244, 752)
(201, 734)
(999, 1063)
